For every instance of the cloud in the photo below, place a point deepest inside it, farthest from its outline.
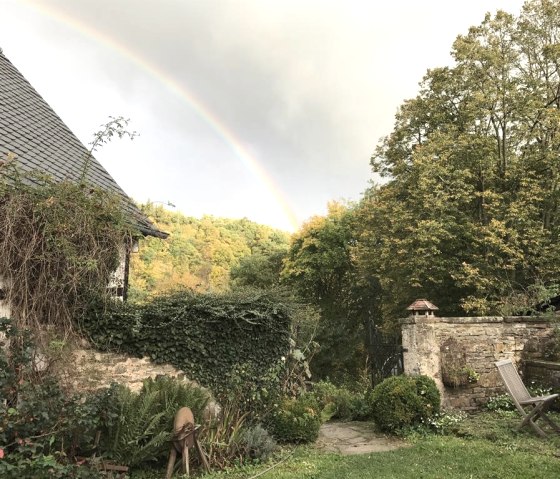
(307, 87)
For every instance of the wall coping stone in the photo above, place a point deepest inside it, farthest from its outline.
(474, 320)
(543, 364)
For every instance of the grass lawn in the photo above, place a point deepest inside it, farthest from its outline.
(434, 457)
(483, 446)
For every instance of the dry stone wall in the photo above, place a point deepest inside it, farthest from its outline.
(543, 372)
(480, 342)
(93, 369)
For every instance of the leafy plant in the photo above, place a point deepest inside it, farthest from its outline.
(142, 430)
(173, 394)
(258, 444)
(21, 466)
(339, 402)
(42, 427)
(144, 423)
(401, 401)
(500, 403)
(445, 422)
(223, 437)
(459, 376)
(295, 420)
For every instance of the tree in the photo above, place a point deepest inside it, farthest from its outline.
(469, 214)
(259, 270)
(319, 267)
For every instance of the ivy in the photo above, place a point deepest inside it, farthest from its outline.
(219, 340)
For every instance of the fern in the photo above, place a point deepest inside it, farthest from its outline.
(174, 394)
(143, 430)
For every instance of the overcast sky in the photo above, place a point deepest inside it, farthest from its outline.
(265, 109)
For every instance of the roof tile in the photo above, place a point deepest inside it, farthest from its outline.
(422, 305)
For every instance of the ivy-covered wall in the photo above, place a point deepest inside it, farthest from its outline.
(214, 339)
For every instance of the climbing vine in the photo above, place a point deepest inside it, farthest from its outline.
(223, 341)
(59, 245)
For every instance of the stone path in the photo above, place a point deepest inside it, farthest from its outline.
(354, 438)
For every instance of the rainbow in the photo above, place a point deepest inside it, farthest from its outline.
(181, 91)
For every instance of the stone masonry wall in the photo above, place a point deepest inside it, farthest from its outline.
(479, 343)
(543, 372)
(93, 369)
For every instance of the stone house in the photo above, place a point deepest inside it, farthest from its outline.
(37, 139)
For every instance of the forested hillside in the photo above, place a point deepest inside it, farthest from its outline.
(199, 253)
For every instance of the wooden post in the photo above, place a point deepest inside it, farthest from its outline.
(171, 462)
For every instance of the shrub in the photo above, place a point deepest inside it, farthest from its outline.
(252, 389)
(500, 403)
(296, 420)
(222, 437)
(338, 402)
(258, 443)
(444, 423)
(60, 244)
(21, 466)
(42, 427)
(401, 401)
(174, 394)
(141, 431)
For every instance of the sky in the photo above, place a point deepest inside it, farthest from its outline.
(263, 109)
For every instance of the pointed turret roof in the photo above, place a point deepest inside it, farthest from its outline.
(422, 305)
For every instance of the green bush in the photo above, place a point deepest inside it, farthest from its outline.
(174, 394)
(21, 466)
(296, 420)
(42, 427)
(222, 436)
(500, 403)
(141, 432)
(339, 402)
(402, 401)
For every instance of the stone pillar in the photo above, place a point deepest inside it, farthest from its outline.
(421, 353)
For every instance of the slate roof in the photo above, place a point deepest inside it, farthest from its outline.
(422, 305)
(30, 129)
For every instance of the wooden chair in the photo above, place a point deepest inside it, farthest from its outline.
(530, 408)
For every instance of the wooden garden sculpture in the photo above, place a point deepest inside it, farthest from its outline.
(185, 435)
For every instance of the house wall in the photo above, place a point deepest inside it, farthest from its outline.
(119, 278)
(5, 310)
(430, 343)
